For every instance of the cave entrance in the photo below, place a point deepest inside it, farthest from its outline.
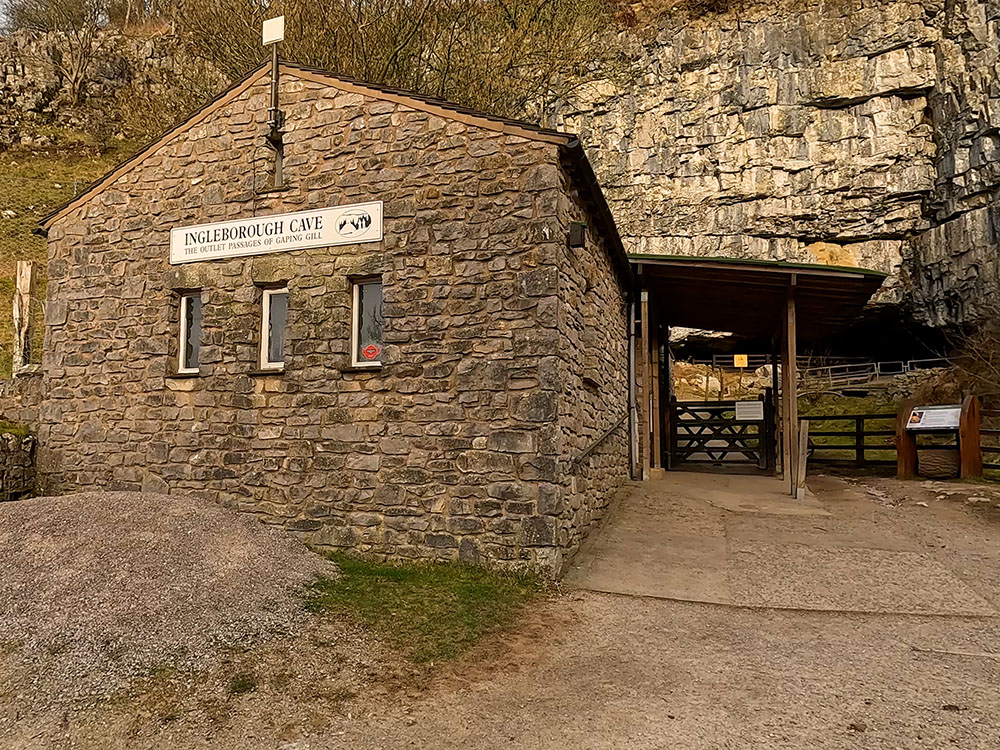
(780, 303)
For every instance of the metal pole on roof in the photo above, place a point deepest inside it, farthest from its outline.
(274, 32)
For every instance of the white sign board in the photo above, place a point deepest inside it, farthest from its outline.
(322, 227)
(273, 30)
(934, 418)
(749, 411)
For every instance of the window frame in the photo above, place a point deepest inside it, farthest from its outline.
(183, 368)
(265, 337)
(356, 284)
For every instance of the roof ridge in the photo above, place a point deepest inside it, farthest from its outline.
(414, 100)
(427, 99)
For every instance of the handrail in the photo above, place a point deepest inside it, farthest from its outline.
(575, 463)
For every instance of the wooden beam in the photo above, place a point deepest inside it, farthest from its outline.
(23, 293)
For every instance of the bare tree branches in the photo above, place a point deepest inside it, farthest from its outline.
(499, 56)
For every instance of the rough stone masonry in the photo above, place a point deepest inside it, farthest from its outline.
(505, 350)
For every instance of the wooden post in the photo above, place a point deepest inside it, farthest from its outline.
(906, 443)
(859, 441)
(764, 432)
(656, 461)
(23, 294)
(667, 398)
(803, 455)
(646, 385)
(786, 451)
(775, 411)
(969, 450)
(791, 380)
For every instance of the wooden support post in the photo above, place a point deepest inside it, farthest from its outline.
(646, 385)
(786, 451)
(969, 450)
(775, 413)
(906, 443)
(657, 417)
(790, 377)
(666, 400)
(23, 293)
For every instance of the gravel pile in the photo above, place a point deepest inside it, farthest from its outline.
(97, 589)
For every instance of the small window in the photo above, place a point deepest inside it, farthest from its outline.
(190, 334)
(273, 321)
(366, 328)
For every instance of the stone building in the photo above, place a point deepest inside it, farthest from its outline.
(417, 345)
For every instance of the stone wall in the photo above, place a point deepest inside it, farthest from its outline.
(20, 399)
(17, 466)
(451, 450)
(593, 346)
(850, 132)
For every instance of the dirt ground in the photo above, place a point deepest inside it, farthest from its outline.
(599, 670)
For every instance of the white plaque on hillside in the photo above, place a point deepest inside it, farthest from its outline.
(749, 411)
(322, 227)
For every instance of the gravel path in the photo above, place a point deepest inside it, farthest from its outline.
(99, 589)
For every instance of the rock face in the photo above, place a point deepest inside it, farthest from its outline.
(855, 132)
(505, 350)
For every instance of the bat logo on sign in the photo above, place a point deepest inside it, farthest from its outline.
(371, 351)
(353, 223)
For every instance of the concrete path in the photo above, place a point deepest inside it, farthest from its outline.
(615, 671)
(740, 540)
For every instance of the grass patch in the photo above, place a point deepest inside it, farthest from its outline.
(427, 611)
(31, 185)
(11, 428)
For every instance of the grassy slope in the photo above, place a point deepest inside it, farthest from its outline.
(31, 185)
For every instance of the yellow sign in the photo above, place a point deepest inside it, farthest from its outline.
(740, 360)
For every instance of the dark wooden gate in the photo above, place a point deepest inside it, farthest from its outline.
(708, 432)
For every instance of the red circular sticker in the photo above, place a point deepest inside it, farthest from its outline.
(371, 351)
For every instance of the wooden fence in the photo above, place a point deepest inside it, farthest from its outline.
(844, 439)
(989, 439)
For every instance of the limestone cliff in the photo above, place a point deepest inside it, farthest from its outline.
(849, 132)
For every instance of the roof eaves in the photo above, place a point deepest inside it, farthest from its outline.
(762, 264)
(584, 174)
(441, 107)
